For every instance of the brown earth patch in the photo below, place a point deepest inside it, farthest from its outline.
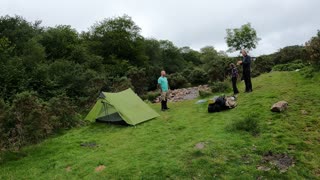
(100, 168)
(200, 145)
(280, 161)
(68, 169)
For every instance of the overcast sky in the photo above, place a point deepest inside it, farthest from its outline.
(193, 23)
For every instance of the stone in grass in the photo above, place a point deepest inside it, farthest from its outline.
(304, 112)
(89, 144)
(279, 106)
(100, 168)
(263, 168)
(68, 168)
(200, 145)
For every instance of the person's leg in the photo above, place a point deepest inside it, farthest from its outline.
(249, 82)
(234, 85)
(166, 101)
(247, 79)
(162, 101)
(246, 83)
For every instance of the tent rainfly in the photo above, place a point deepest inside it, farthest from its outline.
(122, 106)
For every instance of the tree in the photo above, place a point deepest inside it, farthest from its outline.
(190, 55)
(119, 37)
(313, 49)
(172, 60)
(289, 54)
(215, 64)
(18, 31)
(242, 38)
(60, 41)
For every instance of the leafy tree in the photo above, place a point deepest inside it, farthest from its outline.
(59, 42)
(198, 76)
(242, 38)
(18, 31)
(138, 79)
(176, 80)
(313, 50)
(172, 60)
(6, 49)
(119, 37)
(289, 54)
(153, 52)
(191, 56)
(215, 64)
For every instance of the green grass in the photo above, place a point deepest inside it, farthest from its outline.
(164, 148)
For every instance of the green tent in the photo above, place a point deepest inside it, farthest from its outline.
(122, 106)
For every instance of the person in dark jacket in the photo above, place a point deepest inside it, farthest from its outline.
(246, 74)
(234, 77)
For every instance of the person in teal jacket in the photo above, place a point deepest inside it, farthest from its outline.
(163, 85)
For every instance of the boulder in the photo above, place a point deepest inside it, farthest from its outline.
(279, 106)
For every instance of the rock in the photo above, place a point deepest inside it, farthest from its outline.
(185, 93)
(263, 168)
(279, 106)
(68, 169)
(199, 145)
(100, 168)
(304, 112)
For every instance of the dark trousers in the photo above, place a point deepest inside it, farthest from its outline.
(247, 79)
(234, 85)
(164, 105)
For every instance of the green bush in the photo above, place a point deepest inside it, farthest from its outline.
(308, 72)
(30, 119)
(249, 124)
(121, 83)
(313, 50)
(138, 79)
(176, 81)
(289, 67)
(150, 96)
(220, 86)
(204, 94)
(198, 76)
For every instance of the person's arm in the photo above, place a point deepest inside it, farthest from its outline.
(159, 87)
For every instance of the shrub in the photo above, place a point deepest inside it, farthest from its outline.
(220, 87)
(30, 119)
(63, 113)
(307, 72)
(121, 83)
(313, 50)
(176, 81)
(204, 94)
(138, 79)
(249, 124)
(289, 67)
(150, 96)
(198, 76)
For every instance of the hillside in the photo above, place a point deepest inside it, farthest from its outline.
(188, 143)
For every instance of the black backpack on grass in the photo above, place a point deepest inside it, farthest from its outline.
(218, 105)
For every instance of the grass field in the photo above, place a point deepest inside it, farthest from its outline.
(165, 148)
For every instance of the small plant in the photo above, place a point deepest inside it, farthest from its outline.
(176, 81)
(150, 96)
(249, 124)
(297, 64)
(220, 87)
(204, 94)
(308, 72)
